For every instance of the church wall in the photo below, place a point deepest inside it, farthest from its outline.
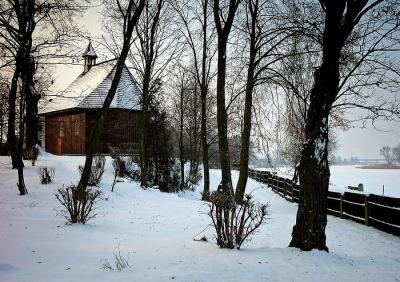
(65, 134)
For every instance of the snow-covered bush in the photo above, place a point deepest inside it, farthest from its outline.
(46, 174)
(78, 203)
(97, 170)
(235, 224)
(193, 179)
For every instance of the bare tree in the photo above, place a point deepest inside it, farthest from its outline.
(396, 153)
(266, 37)
(18, 22)
(152, 51)
(192, 14)
(341, 19)
(130, 13)
(223, 23)
(386, 152)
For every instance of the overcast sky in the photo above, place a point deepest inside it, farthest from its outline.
(357, 142)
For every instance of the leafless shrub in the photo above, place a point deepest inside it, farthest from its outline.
(46, 174)
(97, 170)
(78, 203)
(120, 262)
(31, 154)
(235, 224)
(124, 163)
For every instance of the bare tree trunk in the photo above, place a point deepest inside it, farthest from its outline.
(309, 231)
(32, 100)
(223, 30)
(222, 121)
(248, 104)
(245, 138)
(131, 17)
(13, 143)
(203, 98)
(147, 36)
(143, 129)
(204, 143)
(181, 161)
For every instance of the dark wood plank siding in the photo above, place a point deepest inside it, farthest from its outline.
(121, 128)
(65, 134)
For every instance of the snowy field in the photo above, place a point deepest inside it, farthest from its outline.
(157, 229)
(351, 175)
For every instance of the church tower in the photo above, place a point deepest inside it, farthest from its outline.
(90, 57)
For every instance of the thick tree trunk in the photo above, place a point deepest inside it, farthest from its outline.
(248, 104)
(311, 220)
(223, 25)
(309, 231)
(245, 138)
(222, 120)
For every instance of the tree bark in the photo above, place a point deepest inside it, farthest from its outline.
(309, 231)
(132, 15)
(32, 100)
(248, 104)
(148, 43)
(204, 143)
(181, 161)
(222, 121)
(13, 143)
(143, 128)
(203, 98)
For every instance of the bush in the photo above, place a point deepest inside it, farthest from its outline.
(46, 174)
(124, 162)
(193, 179)
(31, 154)
(97, 170)
(78, 203)
(120, 262)
(235, 224)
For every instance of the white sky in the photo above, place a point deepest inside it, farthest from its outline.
(357, 142)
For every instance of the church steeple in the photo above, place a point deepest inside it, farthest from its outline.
(89, 56)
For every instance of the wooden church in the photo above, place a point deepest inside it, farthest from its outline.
(70, 116)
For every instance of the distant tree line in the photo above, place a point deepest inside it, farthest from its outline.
(390, 154)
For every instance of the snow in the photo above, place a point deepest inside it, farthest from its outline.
(157, 230)
(352, 175)
(90, 89)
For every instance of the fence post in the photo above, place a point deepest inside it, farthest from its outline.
(284, 188)
(293, 184)
(341, 206)
(366, 211)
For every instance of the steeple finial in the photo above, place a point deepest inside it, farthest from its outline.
(90, 57)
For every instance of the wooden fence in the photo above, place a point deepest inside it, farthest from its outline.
(380, 212)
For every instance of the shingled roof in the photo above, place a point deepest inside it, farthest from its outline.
(89, 90)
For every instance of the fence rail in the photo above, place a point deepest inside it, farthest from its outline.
(380, 212)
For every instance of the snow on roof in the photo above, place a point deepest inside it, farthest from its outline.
(89, 90)
(90, 51)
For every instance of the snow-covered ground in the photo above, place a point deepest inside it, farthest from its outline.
(157, 229)
(351, 175)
